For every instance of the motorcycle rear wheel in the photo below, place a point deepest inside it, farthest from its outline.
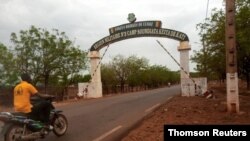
(14, 133)
(60, 125)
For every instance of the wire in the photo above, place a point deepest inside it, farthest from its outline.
(179, 65)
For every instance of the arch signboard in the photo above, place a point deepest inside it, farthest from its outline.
(138, 29)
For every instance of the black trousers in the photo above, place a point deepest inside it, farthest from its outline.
(41, 111)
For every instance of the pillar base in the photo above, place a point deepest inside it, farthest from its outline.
(232, 93)
(189, 88)
(95, 90)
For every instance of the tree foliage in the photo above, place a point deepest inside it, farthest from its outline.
(133, 72)
(7, 67)
(124, 67)
(47, 55)
(108, 77)
(243, 39)
(212, 33)
(211, 58)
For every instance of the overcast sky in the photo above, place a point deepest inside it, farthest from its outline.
(87, 21)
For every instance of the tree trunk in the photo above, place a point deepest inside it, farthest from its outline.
(122, 86)
(248, 82)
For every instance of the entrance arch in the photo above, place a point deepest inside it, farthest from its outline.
(135, 30)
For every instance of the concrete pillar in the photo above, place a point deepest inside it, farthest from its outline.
(95, 86)
(184, 49)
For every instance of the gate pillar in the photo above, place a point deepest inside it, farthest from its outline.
(184, 49)
(95, 86)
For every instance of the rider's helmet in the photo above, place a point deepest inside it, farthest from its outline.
(26, 77)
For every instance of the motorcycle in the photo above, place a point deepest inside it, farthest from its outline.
(19, 127)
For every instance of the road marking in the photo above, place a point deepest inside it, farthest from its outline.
(151, 108)
(108, 133)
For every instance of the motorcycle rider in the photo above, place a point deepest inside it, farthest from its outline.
(22, 101)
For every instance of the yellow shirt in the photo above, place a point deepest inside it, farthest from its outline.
(22, 93)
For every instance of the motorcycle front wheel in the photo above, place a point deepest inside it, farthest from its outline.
(60, 125)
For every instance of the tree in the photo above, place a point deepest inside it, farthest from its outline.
(212, 55)
(47, 55)
(124, 67)
(7, 69)
(136, 66)
(212, 33)
(243, 41)
(157, 75)
(109, 78)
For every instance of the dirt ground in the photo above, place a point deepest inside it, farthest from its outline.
(192, 110)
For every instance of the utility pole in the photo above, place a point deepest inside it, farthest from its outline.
(231, 59)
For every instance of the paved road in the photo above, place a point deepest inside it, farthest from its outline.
(108, 118)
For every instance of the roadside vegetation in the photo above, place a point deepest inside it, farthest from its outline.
(57, 65)
(211, 59)
(133, 74)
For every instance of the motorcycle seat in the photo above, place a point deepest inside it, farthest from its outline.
(19, 114)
